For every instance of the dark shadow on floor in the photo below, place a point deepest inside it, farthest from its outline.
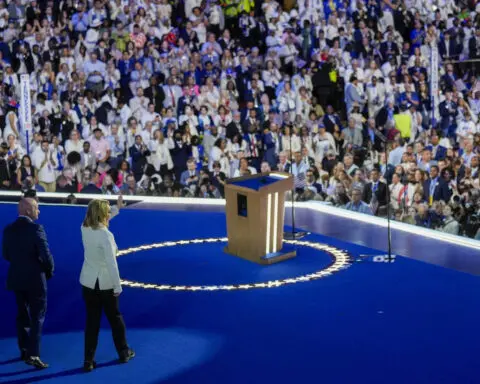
(70, 372)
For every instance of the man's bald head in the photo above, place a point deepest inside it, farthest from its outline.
(28, 207)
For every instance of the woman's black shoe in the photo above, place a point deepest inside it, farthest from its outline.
(127, 355)
(89, 366)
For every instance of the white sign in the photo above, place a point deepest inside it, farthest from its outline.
(25, 103)
(434, 91)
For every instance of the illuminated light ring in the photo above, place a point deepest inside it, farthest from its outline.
(340, 261)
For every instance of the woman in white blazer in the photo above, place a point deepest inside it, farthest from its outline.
(100, 280)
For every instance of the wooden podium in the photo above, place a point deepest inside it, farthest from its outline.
(255, 210)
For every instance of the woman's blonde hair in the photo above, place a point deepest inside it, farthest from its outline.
(98, 212)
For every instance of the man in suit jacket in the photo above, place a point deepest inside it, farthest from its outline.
(5, 174)
(448, 47)
(235, 126)
(473, 51)
(184, 101)
(435, 189)
(138, 152)
(331, 119)
(217, 178)
(90, 181)
(375, 192)
(25, 247)
(251, 121)
(389, 47)
(438, 152)
(308, 160)
(448, 112)
(191, 175)
(155, 94)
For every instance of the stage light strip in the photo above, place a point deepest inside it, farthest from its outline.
(275, 222)
(269, 218)
(341, 261)
(279, 175)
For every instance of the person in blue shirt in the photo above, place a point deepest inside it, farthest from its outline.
(417, 35)
(357, 205)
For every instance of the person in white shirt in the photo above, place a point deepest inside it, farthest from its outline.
(149, 115)
(95, 70)
(117, 146)
(44, 162)
(160, 153)
(323, 142)
(139, 104)
(375, 97)
(466, 129)
(100, 280)
(244, 169)
(395, 190)
(74, 143)
(12, 125)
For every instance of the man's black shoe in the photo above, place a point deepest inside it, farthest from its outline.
(23, 355)
(36, 362)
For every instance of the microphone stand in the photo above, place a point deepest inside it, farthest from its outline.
(384, 140)
(294, 235)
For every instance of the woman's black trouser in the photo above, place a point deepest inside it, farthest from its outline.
(96, 301)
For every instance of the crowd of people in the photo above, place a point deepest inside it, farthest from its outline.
(172, 98)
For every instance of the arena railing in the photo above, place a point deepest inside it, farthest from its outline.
(314, 207)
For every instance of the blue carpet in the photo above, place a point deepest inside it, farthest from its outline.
(406, 322)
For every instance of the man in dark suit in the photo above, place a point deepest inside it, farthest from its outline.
(251, 119)
(438, 152)
(473, 50)
(418, 69)
(184, 101)
(25, 247)
(180, 153)
(308, 160)
(235, 126)
(217, 178)
(5, 174)
(138, 152)
(90, 181)
(435, 189)
(448, 112)
(155, 94)
(375, 190)
(331, 119)
(389, 47)
(448, 47)
(253, 94)
(191, 175)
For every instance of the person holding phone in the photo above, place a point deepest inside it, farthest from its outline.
(100, 280)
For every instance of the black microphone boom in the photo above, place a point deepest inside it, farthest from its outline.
(383, 138)
(293, 235)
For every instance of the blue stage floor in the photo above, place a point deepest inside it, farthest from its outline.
(406, 322)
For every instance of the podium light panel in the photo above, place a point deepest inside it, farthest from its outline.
(275, 222)
(269, 209)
